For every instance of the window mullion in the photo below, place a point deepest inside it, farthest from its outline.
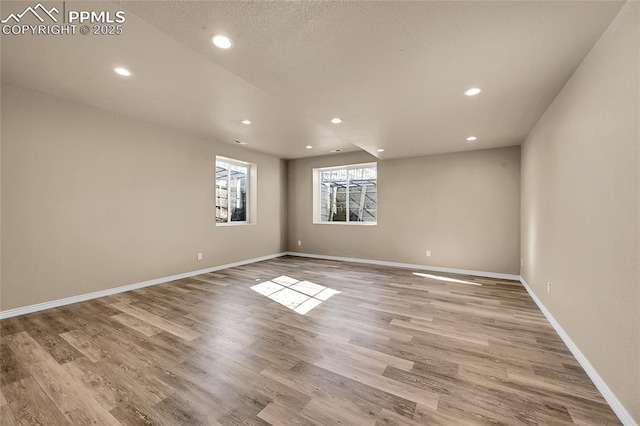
(348, 200)
(247, 181)
(320, 195)
(229, 194)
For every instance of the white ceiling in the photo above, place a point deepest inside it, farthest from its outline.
(395, 72)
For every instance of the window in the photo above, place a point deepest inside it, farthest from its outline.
(233, 182)
(346, 194)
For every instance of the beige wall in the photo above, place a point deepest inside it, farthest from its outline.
(464, 207)
(580, 208)
(93, 200)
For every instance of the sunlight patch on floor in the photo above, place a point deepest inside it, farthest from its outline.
(299, 296)
(447, 279)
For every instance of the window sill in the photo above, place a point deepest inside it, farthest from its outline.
(347, 223)
(235, 224)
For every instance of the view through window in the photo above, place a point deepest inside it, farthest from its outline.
(348, 193)
(232, 181)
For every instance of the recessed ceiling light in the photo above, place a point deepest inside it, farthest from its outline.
(471, 138)
(240, 142)
(309, 147)
(122, 71)
(246, 121)
(473, 91)
(336, 120)
(335, 150)
(380, 149)
(221, 41)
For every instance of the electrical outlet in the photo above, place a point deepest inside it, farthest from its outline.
(428, 253)
(548, 288)
(199, 256)
(299, 242)
(521, 262)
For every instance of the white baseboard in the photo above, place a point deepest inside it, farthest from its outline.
(410, 266)
(608, 395)
(87, 296)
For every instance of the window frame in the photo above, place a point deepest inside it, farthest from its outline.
(249, 190)
(317, 191)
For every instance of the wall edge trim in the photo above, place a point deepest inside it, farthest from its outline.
(607, 393)
(121, 289)
(498, 275)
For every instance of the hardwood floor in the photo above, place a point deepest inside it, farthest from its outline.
(392, 348)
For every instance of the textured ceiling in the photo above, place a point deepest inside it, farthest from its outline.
(395, 72)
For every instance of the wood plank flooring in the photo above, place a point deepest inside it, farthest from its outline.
(392, 348)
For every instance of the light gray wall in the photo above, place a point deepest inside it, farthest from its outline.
(464, 207)
(580, 208)
(94, 200)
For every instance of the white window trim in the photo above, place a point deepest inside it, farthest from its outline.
(316, 194)
(251, 195)
(236, 223)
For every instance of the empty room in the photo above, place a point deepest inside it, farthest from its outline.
(320, 213)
